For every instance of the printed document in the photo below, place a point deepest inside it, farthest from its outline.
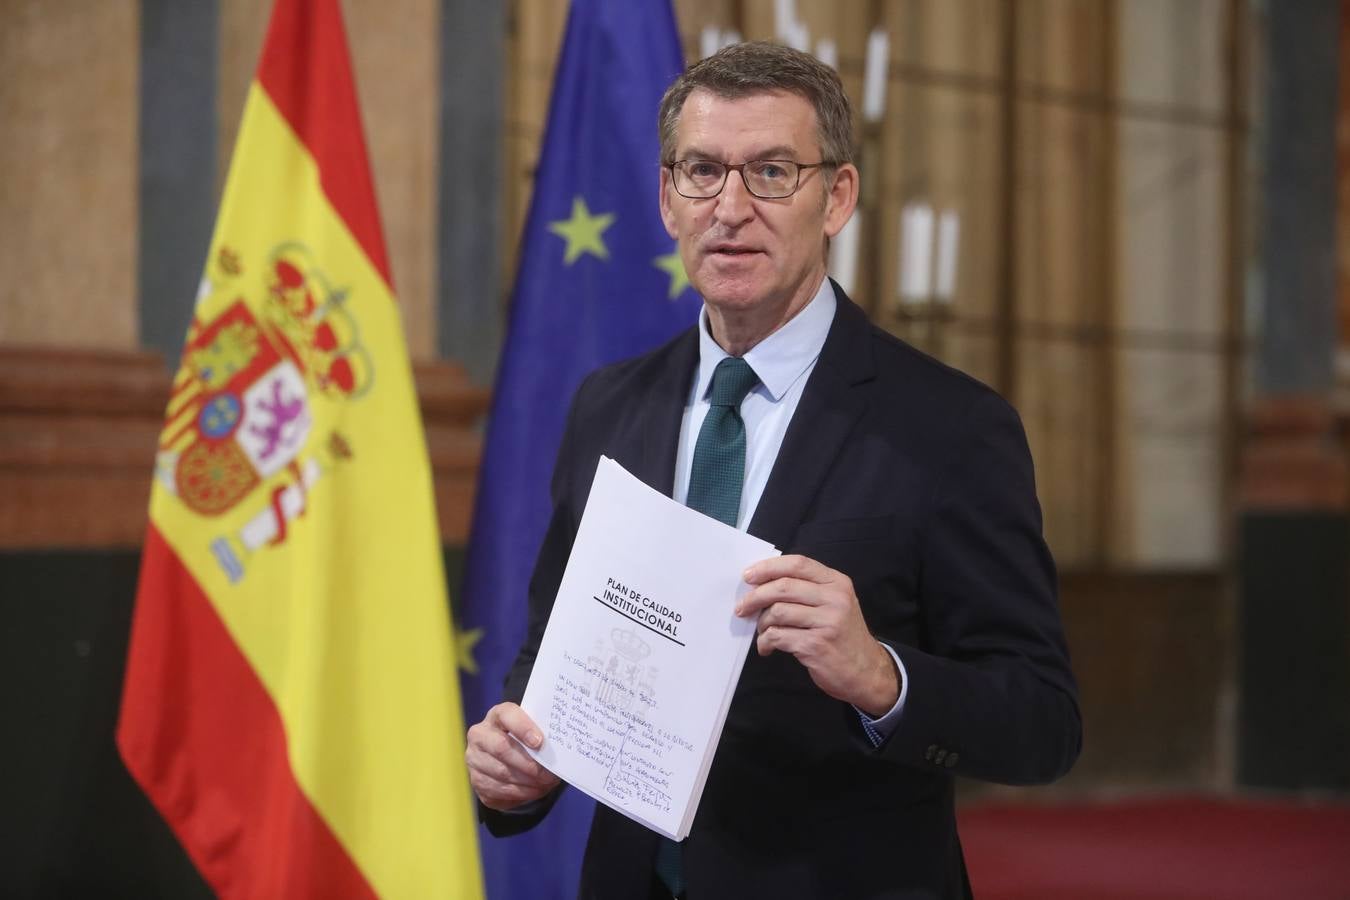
(642, 651)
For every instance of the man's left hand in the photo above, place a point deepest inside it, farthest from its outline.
(810, 610)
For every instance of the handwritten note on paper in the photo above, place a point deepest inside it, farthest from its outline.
(642, 651)
(592, 716)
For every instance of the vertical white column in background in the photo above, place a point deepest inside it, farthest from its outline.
(948, 243)
(915, 283)
(709, 41)
(827, 52)
(844, 253)
(875, 74)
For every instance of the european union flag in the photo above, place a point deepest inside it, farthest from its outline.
(599, 280)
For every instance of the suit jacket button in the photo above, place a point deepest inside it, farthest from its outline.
(952, 759)
(928, 754)
(941, 755)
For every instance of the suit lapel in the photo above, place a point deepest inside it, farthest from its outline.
(661, 416)
(833, 400)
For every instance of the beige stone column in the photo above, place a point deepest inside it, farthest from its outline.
(68, 172)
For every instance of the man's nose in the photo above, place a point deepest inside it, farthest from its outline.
(735, 205)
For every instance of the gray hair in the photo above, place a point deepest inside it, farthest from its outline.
(758, 67)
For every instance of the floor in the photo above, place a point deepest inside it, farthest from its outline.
(1172, 848)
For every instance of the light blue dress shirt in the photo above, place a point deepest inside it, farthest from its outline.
(783, 361)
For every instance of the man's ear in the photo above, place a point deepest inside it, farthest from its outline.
(667, 214)
(842, 198)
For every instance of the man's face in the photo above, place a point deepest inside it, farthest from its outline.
(740, 252)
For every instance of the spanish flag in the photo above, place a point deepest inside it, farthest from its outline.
(291, 702)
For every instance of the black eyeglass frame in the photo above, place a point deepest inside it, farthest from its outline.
(728, 168)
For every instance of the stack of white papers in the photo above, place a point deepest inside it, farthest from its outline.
(642, 651)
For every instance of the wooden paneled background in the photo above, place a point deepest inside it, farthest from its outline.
(1098, 154)
(1094, 152)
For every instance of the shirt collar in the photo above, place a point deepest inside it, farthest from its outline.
(782, 357)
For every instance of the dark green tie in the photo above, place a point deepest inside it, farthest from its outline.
(715, 480)
(719, 456)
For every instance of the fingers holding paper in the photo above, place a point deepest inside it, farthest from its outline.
(501, 773)
(811, 611)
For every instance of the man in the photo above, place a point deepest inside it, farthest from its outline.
(910, 631)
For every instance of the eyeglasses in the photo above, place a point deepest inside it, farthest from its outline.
(767, 179)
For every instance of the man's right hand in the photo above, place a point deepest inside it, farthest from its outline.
(501, 773)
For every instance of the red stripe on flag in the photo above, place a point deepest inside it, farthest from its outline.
(306, 71)
(203, 738)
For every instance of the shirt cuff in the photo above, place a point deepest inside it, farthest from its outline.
(528, 808)
(880, 729)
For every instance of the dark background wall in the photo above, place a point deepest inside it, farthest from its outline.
(75, 824)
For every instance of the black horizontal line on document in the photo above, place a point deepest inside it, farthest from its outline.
(611, 606)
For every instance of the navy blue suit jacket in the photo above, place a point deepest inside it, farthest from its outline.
(915, 480)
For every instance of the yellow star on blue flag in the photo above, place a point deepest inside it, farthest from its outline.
(673, 266)
(464, 643)
(582, 232)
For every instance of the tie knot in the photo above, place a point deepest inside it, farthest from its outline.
(732, 380)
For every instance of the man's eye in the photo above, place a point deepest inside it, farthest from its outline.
(703, 170)
(771, 171)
